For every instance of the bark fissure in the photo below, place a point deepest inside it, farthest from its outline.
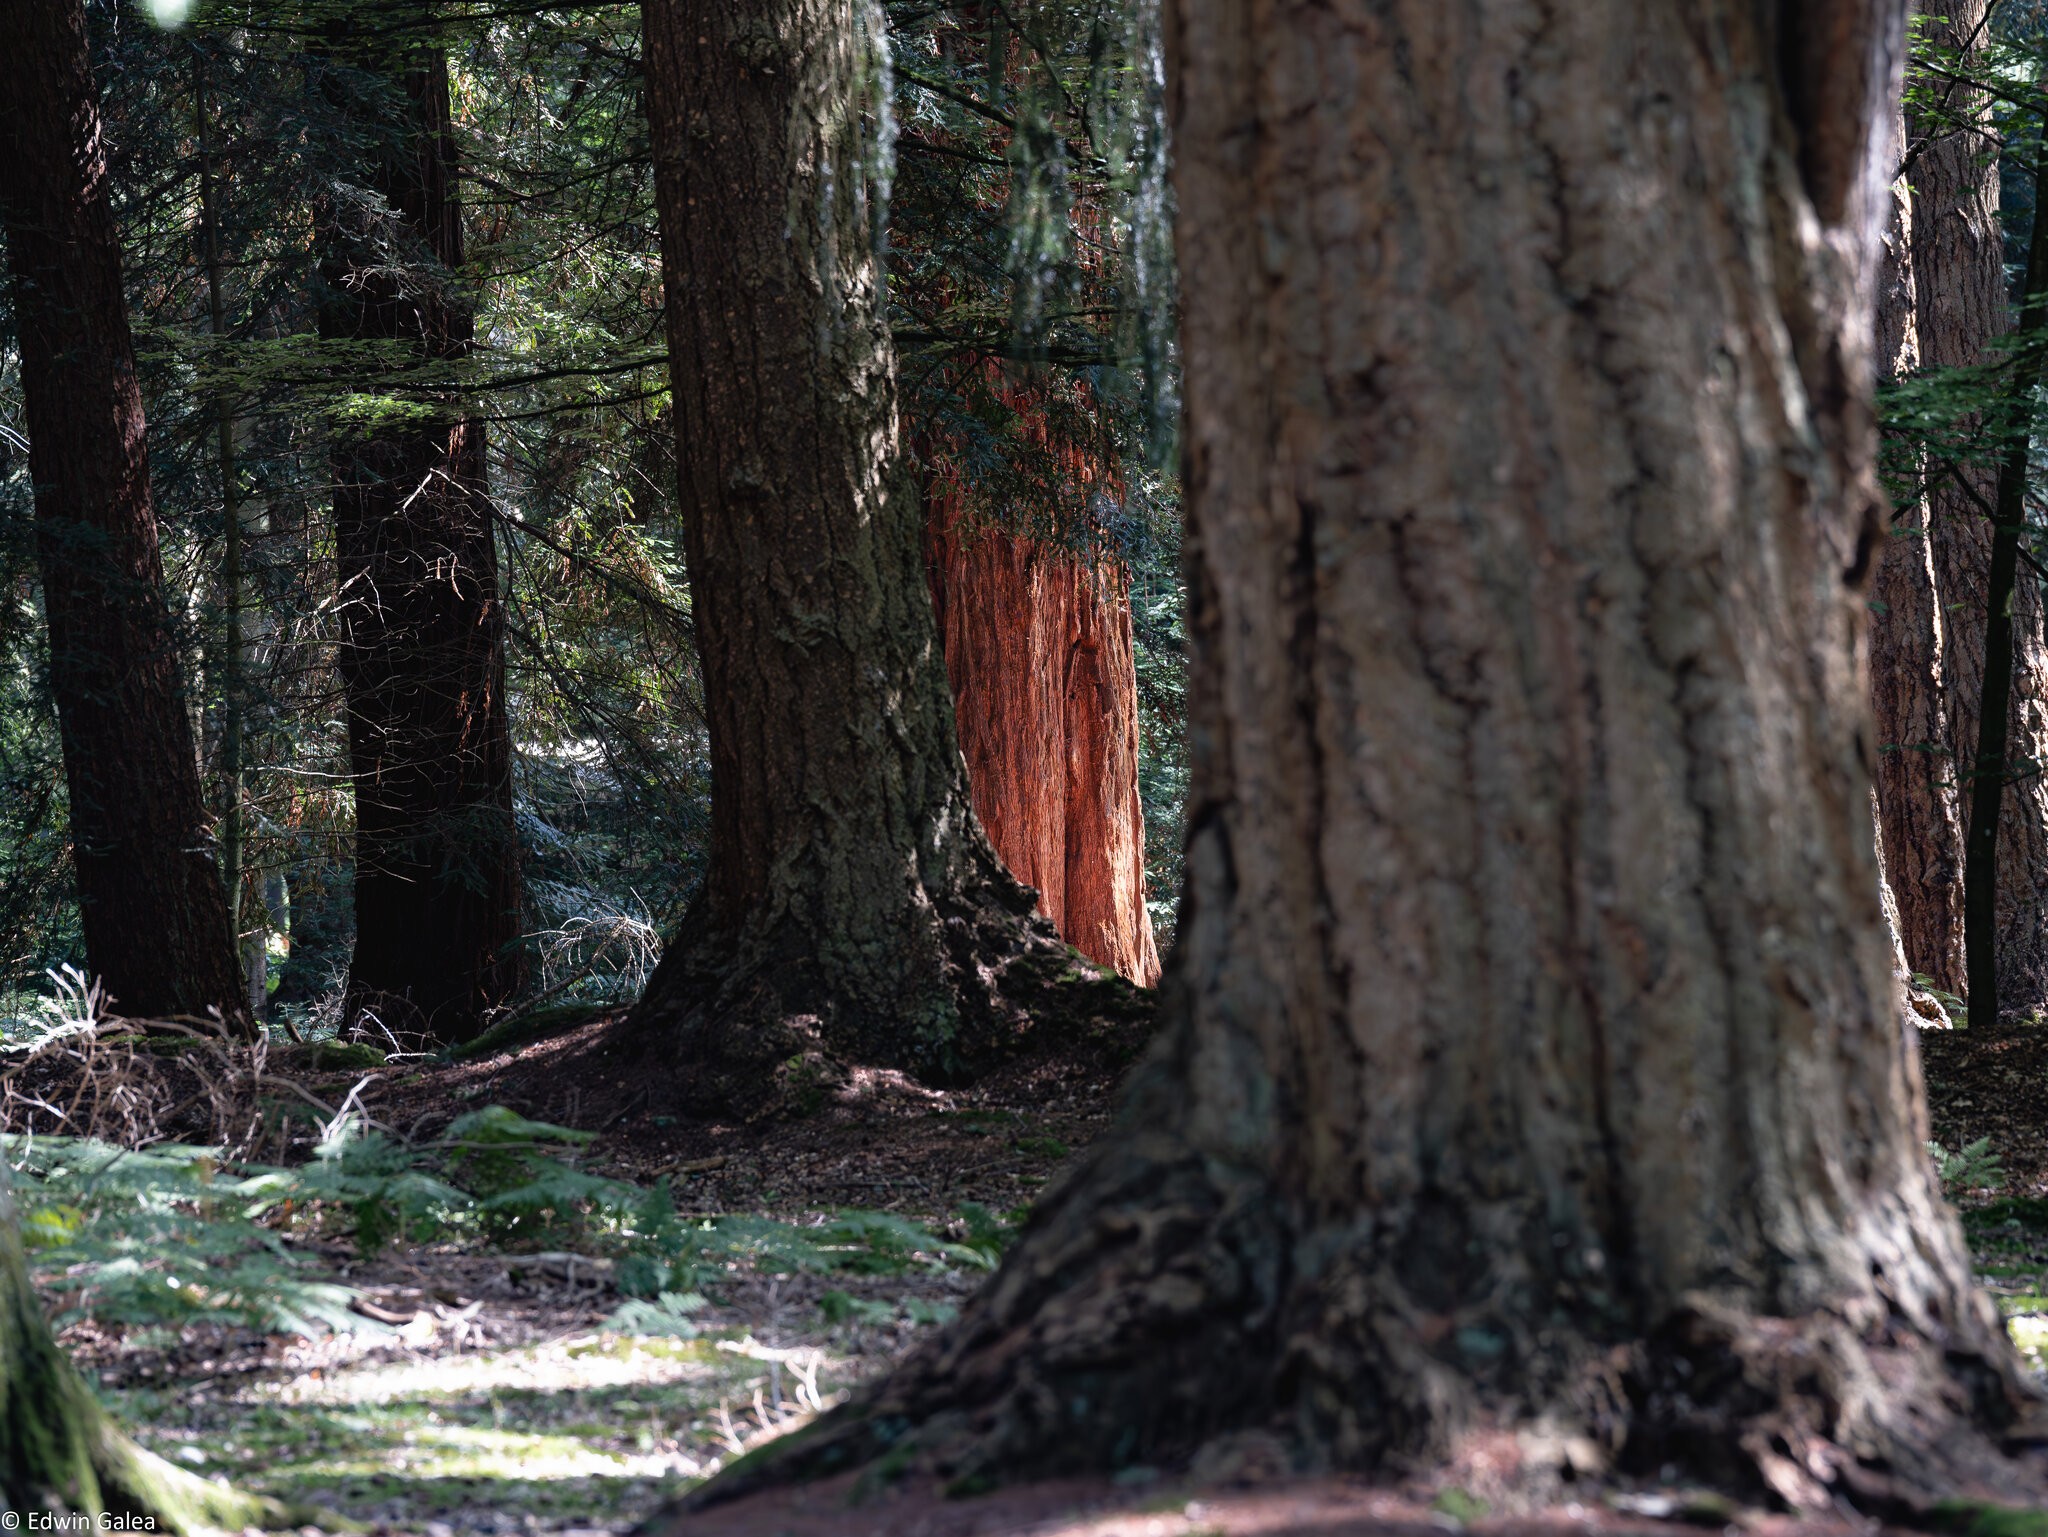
(436, 895)
(1581, 1132)
(853, 911)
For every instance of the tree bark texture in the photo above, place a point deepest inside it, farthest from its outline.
(437, 896)
(1532, 1092)
(853, 909)
(1960, 313)
(1920, 822)
(150, 900)
(1045, 690)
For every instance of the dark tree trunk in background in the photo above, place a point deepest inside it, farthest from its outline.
(2001, 766)
(150, 899)
(423, 627)
(853, 909)
(1959, 312)
(1045, 690)
(1533, 1090)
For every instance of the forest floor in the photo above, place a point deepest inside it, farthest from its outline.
(512, 1387)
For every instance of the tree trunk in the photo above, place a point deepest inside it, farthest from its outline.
(1045, 690)
(853, 909)
(423, 627)
(1533, 1094)
(1960, 310)
(150, 900)
(1920, 825)
(1995, 768)
(60, 1451)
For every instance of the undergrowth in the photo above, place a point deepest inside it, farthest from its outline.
(179, 1234)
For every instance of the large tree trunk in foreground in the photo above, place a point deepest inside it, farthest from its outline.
(150, 899)
(1533, 1096)
(853, 910)
(423, 627)
(1045, 690)
(1960, 312)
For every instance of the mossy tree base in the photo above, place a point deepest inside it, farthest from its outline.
(60, 1450)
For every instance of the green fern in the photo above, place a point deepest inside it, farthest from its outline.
(1974, 1167)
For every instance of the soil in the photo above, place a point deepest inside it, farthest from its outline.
(1306, 1508)
(1996, 1087)
(496, 1398)
(881, 1142)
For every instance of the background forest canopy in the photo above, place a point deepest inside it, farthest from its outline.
(1031, 296)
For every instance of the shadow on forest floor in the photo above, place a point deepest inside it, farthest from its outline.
(496, 1392)
(486, 1391)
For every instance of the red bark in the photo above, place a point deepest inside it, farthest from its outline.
(1045, 691)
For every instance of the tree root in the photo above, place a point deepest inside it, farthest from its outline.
(1166, 1309)
(764, 1026)
(59, 1450)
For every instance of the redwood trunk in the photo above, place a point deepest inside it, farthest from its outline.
(1919, 816)
(150, 899)
(1534, 1097)
(853, 909)
(1045, 690)
(423, 627)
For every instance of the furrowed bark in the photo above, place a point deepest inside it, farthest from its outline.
(1038, 651)
(150, 900)
(1960, 314)
(1993, 766)
(853, 910)
(1919, 817)
(1533, 1096)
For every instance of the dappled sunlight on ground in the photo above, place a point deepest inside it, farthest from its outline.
(585, 1433)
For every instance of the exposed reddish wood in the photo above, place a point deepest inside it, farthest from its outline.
(1038, 651)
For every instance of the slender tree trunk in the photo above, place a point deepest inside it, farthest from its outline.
(423, 627)
(1533, 1090)
(156, 925)
(234, 649)
(1045, 690)
(853, 909)
(1995, 766)
(1960, 312)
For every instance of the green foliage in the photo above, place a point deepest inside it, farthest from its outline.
(174, 1234)
(1970, 1518)
(1973, 1167)
(1461, 1505)
(987, 1234)
(1031, 286)
(162, 1237)
(667, 1315)
(1957, 1010)
(378, 1186)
